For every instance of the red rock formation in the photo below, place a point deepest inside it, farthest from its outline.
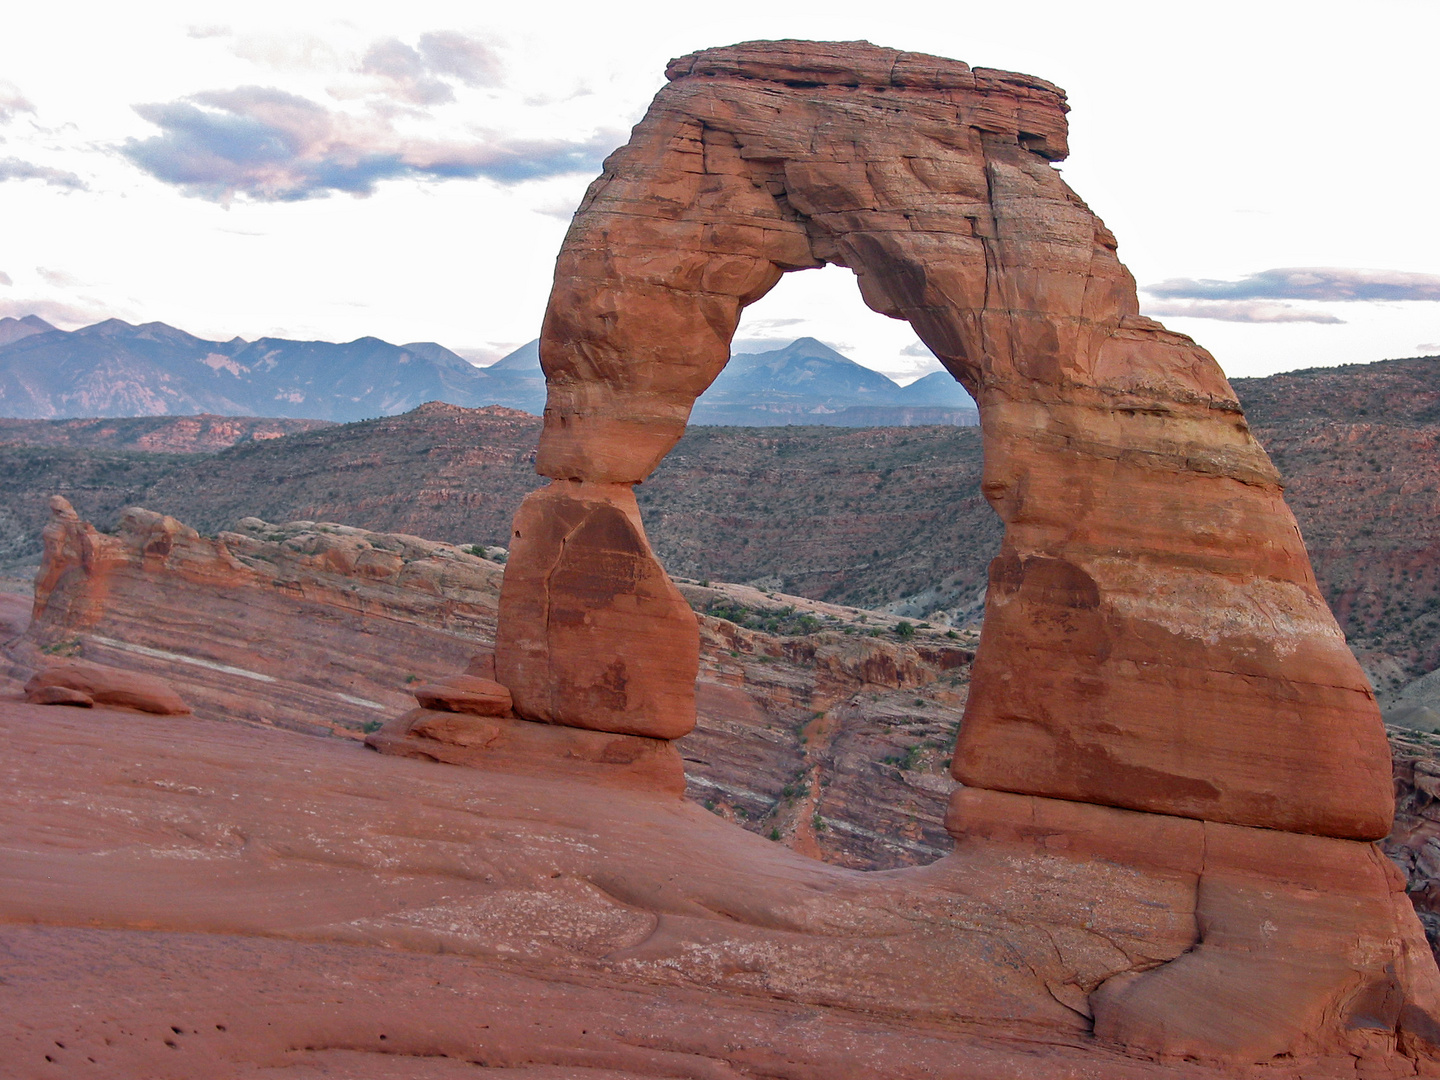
(310, 626)
(836, 740)
(1154, 638)
(1153, 608)
(272, 903)
(464, 694)
(79, 682)
(596, 634)
(506, 744)
(1095, 913)
(1285, 931)
(58, 695)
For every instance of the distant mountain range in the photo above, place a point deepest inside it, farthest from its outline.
(114, 369)
(808, 382)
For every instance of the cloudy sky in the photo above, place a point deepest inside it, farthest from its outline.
(335, 170)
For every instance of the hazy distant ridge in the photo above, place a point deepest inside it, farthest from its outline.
(114, 369)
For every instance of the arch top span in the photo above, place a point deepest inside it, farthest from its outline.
(767, 157)
(1154, 638)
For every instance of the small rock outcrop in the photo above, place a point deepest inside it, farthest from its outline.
(464, 694)
(79, 682)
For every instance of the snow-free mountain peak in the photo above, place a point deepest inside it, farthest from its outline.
(15, 329)
(115, 369)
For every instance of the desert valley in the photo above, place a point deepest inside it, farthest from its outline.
(673, 710)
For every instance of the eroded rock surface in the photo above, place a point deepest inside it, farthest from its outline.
(229, 901)
(465, 694)
(1173, 764)
(79, 682)
(827, 731)
(343, 850)
(1153, 607)
(1154, 638)
(317, 627)
(597, 636)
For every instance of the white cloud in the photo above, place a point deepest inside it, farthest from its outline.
(288, 52)
(67, 315)
(13, 102)
(1240, 311)
(1327, 283)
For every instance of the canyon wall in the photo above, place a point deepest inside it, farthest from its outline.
(830, 734)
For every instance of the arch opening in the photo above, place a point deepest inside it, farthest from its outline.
(806, 504)
(770, 532)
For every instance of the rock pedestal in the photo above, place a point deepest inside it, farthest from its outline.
(593, 634)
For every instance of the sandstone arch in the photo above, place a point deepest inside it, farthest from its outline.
(1154, 638)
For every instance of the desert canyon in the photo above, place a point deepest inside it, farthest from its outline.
(1131, 830)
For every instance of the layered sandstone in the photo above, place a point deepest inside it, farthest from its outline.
(1152, 609)
(1173, 764)
(1154, 638)
(828, 731)
(316, 627)
(1414, 843)
(655, 900)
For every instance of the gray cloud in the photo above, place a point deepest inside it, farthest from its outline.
(270, 145)
(6, 279)
(15, 169)
(12, 102)
(418, 75)
(472, 61)
(1429, 346)
(207, 30)
(917, 348)
(1244, 311)
(407, 72)
(1306, 283)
